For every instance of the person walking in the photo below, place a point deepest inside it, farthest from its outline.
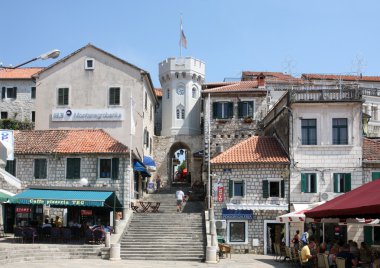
(296, 239)
(179, 195)
(158, 183)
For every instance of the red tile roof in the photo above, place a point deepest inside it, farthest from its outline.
(83, 141)
(257, 149)
(371, 149)
(19, 73)
(341, 77)
(236, 86)
(269, 75)
(158, 92)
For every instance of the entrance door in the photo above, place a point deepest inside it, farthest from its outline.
(273, 233)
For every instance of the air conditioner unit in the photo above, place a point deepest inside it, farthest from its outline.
(221, 224)
(219, 149)
(326, 196)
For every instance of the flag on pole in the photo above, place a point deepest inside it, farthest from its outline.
(133, 123)
(182, 41)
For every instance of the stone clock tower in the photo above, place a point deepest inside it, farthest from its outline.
(181, 80)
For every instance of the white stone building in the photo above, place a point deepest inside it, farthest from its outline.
(18, 93)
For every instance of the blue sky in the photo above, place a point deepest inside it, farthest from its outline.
(229, 36)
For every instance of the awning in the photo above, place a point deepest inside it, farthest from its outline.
(149, 163)
(5, 195)
(299, 214)
(64, 198)
(361, 202)
(140, 167)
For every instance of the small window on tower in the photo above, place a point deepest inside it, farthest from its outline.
(89, 64)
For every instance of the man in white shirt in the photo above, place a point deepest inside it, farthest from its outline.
(179, 196)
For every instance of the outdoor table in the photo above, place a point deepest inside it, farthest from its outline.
(145, 205)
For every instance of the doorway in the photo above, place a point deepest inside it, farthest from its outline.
(274, 232)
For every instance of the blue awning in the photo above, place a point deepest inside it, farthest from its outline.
(139, 167)
(149, 163)
(63, 198)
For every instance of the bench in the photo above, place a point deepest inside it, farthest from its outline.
(224, 249)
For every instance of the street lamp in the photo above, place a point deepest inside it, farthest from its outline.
(48, 55)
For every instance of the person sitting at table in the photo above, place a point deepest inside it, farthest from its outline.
(46, 224)
(58, 221)
(345, 253)
(332, 253)
(306, 257)
(322, 248)
(354, 249)
(364, 253)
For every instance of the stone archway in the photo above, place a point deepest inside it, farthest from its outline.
(179, 160)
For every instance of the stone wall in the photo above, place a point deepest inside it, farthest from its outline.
(20, 108)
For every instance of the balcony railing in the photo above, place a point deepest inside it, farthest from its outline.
(320, 95)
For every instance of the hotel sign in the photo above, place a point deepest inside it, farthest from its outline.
(116, 114)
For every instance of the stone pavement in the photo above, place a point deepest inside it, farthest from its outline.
(237, 261)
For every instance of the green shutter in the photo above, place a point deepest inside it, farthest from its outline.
(15, 92)
(375, 176)
(314, 177)
(250, 108)
(336, 183)
(347, 182)
(3, 90)
(368, 235)
(282, 188)
(76, 169)
(230, 110)
(303, 182)
(265, 189)
(115, 168)
(112, 96)
(69, 168)
(240, 109)
(243, 188)
(215, 110)
(230, 188)
(44, 169)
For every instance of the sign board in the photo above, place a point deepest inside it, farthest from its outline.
(23, 210)
(115, 114)
(6, 138)
(220, 194)
(86, 212)
(58, 202)
(237, 214)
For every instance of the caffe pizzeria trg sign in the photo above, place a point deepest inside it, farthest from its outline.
(114, 114)
(59, 202)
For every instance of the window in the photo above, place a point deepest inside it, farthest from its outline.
(375, 175)
(168, 94)
(114, 96)
(183, 114)
(150, 146)
(236, 188)
(237, 232)
(371, 235)
(33, 116)
(109, 168)
(309, 183)
(9, 93)
(151, 112)
(374, 112)
(342, 182)
(178, 112)
(4, 115)
(194, 93)
(273, 188)
(40, 168)
(73, 168)
(146, 101)
(33, 93)
(309, 131)
(340, 132)
(146, 138)
(245, 109)
(222, 110)
(11, 167)
(63, 96)
(89, 64)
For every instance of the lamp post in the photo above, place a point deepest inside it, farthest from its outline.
(48, 55)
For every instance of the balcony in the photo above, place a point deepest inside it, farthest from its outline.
(330, 95)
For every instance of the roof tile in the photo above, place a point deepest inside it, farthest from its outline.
(371, 149)
(257, 149)
(19, 73)
(341, 77)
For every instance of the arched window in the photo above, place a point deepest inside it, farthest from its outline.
(183, 113)
(168, 94)
(180, 112)
(194, 92)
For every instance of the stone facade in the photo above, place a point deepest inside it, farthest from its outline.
(264, 209)
(22, 107)
(56, 173)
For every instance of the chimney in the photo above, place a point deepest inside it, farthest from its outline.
(261, 80)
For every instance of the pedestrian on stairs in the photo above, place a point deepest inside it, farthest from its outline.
(179, 196)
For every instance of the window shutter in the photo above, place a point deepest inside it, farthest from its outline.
(36, 168)
(69, 168)
(303, 183)
(315, 183)
(347, 182)
(243, 190)
(368, 235)
(43, 169)
(76, 170)
(214, 110)
(265, 189)
(115, 168)
(375, 176)
(3, 90)
(250, 108)
(15, 92)
(230, 188)
(240, 109)
(282, 188)
(230, 109)
(335, 183)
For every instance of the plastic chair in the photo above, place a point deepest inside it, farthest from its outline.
(30, 234)
(46, 233)
(326, 260)
(89, 236)
(19, 234)
(66, 235)
(321, 261)
(55, 234)
(340, 262)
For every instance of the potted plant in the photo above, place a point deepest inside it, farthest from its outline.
(248, 119)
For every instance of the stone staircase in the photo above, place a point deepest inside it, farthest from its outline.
(11, 253)
(167, 235)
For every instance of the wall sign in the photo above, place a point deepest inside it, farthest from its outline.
(58, 202)
(23, 210)
(115, 114)
(86, 212)
(220, 194)
(237, 214)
